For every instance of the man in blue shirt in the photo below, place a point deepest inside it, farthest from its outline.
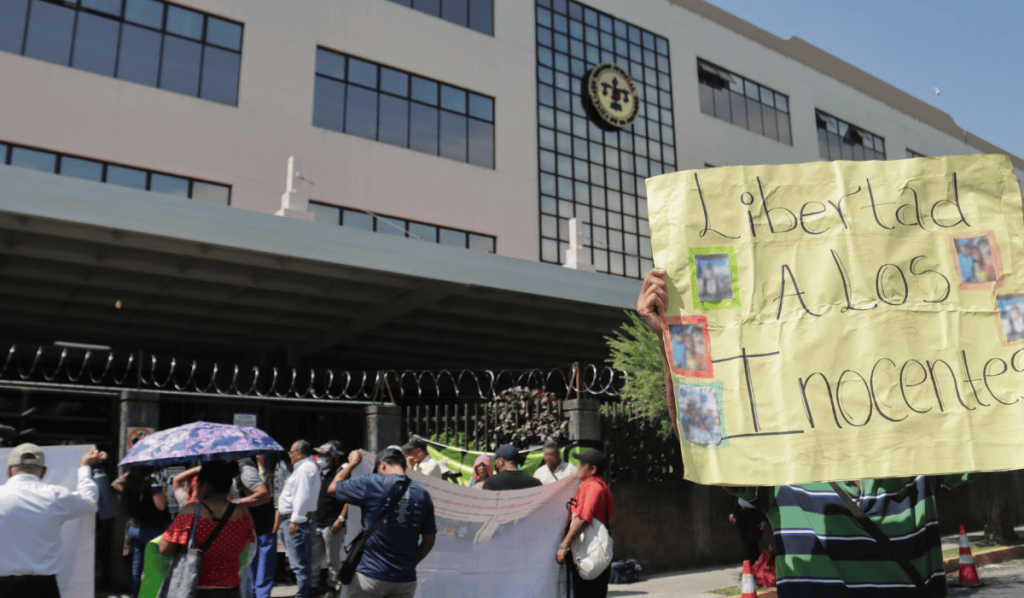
(388, 566)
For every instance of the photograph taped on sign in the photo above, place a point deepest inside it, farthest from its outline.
(857, 331)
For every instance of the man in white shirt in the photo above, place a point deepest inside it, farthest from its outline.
(297, 506)
(554, 468)
(416, 457)
(31, 516)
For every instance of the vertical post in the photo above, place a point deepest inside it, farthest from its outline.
(383, 427)
(584, 419)
(138, 409)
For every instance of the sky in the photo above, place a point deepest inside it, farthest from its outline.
(973, 51)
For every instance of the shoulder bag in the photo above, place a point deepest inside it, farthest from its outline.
(182, 579)
(592, 550)
(355, 549)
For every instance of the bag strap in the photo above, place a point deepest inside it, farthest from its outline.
(884, 543)
(195, 520)
(390, 507)
(220, 525)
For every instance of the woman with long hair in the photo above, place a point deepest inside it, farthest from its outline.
(218, 573)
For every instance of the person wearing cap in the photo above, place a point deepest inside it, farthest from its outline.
(405, 537)
(297, 506)
(419, 460)
(509, 476)
(593, 500)
(31, 516)
(328, 544)
(553, 469)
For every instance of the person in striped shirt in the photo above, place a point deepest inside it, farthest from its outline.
(822, 550)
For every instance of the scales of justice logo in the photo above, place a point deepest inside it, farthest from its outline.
(613, 96)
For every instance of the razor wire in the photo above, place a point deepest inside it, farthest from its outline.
(84, 368)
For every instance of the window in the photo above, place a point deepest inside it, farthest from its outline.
(389, 225)
(742, 102)
(478, 15)
(144, 41)
(587, 173)
(114, 174)
(839, 140)
(377, 102)
(912, 154)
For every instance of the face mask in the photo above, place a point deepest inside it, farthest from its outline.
(322, 464)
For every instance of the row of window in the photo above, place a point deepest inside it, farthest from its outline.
(431, 233)
(478, 15)
(114, 174)
(145, 41)
(839, 140)
(738, 100)
(363, 98)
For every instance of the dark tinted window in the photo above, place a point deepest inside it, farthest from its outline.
(394, 107)
(399, 227)
(34, 159)
(89, 170)
(478, 15)
(735, 99)
(839, 140)
(143, 41)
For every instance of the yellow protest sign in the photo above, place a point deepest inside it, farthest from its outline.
(844, 320)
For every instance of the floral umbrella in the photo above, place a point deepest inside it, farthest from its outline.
(200, 441)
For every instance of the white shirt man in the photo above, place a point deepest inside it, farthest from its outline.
(553, 469)
(31, 516)
(301, 491)
(418, 459)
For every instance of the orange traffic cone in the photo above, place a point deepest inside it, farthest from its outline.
(968, 571)
(749, 587)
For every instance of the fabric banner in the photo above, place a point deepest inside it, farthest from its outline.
(844, 320)
(461, 460)
(77, 536)
(495, 544)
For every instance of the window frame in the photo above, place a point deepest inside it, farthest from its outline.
(707, 70)
(822, 117)
(440, 13)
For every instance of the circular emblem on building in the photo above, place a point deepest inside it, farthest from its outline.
(612, 95)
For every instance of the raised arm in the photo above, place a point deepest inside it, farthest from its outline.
(651, 305)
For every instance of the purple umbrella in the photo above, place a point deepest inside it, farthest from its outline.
(200, 441)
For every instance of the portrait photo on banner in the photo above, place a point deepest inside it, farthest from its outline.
(977, 260)
(699, 412)
(1011, 316)
(713, 278)
(688, 345)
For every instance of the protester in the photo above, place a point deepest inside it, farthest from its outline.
(218, 570)
(249, 491)
(31, 516)
(297, 506)
(554, 468)
(145, 504)
(481, 471)
(593, 500)
(264, 566)
(405, 537)
(751, 523)
(827, 551)
(419, 460)
(509, 477)
(328, 544)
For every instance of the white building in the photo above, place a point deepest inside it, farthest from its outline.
(465, 128)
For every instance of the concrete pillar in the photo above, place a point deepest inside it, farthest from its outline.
(584, 419)
(139, 409)
(383, 427)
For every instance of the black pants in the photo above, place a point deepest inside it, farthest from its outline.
(748, 524)
(582, 588)
(220, 593)
(35, 586)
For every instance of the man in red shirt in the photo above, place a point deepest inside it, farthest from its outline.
(593, 500)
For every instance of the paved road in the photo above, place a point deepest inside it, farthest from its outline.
(1005, 580)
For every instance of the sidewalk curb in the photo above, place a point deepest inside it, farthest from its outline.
(761, 593)
(990, 557)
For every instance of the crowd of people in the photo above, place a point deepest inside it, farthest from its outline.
(247, 504)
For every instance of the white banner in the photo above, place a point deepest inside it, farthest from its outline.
(78, 536)
(494, 544)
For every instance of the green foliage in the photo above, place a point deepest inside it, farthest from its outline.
(635, 350)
